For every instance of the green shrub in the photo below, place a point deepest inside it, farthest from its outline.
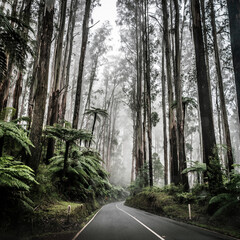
(185, 197)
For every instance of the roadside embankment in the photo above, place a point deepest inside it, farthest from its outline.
(176, 206)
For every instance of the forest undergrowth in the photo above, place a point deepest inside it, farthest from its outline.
(64, 191)
(220, 213)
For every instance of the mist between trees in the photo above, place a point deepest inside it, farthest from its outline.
(162, 109)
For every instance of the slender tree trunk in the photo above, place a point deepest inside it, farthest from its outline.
(68, 54)
(56, 91)
(178, 93)
(34, 82)
(208, 135)
(234, 19)
(139, 131)
(203, 12)
(24, 96)
(42, 77)
(165, 146)
(148, 89)
(85, 31)
(221, 90)
(172, 127)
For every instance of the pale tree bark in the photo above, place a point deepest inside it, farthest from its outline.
(147, 78)
(178, 94)
(139, 131)
(53, 108)
(42, 78)
(221, 90)
(172, 127)
(85, 30)
(34, 82)
(68, 57)
(165, 144)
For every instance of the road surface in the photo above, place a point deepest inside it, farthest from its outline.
(118, 222)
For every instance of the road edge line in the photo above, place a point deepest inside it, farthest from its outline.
(148, 228)
(74, 238)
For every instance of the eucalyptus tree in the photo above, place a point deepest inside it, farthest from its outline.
(85, 31)
(221, 89)
(234, 19)
(42, 78)
(172, 125)
(97, 50)
(53, 107)
(178, 94)
(65, 75)
(130, 15)
(165, 144)
(208, 135)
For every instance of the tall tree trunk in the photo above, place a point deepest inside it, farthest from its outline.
(34, 82)
(42, 78)
(234, 18)
(85, 31)
(208, 135)
(147, 77)
(67, 57)
(165, 144)
(56, 91)
(221, 90)
(219, 120)
(172, 127)
(203, 12)
(139, 131)
(178, 93)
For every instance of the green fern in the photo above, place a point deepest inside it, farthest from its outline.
(15, 134)
(16, 180)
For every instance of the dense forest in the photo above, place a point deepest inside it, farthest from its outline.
(84, 122)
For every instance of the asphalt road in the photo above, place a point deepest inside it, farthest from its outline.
(118, 222)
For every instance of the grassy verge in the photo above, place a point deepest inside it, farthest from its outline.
(53, 222)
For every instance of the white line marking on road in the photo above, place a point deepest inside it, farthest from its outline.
(86, 224)
(149, 229)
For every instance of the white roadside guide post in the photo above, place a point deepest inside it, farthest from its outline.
(189, 211)
(68, 212)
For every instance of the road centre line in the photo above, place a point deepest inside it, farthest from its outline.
(87, 224)
(149, 229)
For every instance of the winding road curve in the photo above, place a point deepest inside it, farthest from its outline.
(118, 222)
